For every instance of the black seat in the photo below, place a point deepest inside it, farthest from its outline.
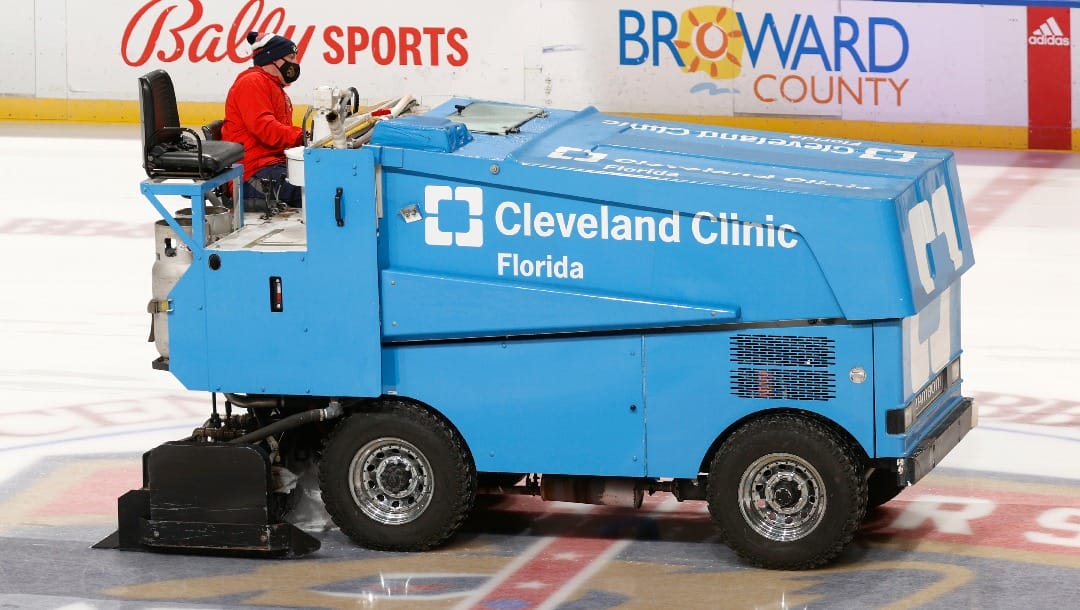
(212, 130)
(167, 153)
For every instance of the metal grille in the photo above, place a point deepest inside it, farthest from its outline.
(779, 350)
(783, 367)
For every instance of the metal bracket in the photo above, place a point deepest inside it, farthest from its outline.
(159, 306)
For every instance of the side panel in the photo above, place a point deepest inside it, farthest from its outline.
(937, 242)
(558, 406)
(325, 340)
(680, 250)
(931, 339)
(698, 384)
(915, 350)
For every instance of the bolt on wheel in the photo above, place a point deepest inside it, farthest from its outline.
(782, 497)
(391, 481)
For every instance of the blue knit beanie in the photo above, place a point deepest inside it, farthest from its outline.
(269, 47)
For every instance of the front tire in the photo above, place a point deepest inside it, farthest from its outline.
(787, 492)
(397, 478)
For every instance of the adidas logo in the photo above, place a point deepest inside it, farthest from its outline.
(1049, 34)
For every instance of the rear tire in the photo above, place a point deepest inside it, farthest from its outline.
(787, 492)
(397, 478)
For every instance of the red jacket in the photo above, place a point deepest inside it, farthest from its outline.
(258, 114)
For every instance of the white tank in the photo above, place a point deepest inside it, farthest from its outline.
(173, 258)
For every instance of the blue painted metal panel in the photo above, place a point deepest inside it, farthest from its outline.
(915, 350)
(583, 163)
(473, 308)
(558, 406)
(326, 339)
(889, 381)
(187, 321)
(481, 233)
(690, 400)
(189, 346)
(606, 137)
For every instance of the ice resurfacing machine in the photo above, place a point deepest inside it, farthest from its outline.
(571, 304)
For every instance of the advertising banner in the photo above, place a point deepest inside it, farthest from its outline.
(1049, 67)
(383, 51)
(1002, 66)
(854, 60)
(877, 61)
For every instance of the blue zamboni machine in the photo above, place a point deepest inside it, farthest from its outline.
(494, 298)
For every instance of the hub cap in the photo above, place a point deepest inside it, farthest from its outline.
(782, 497)
(391, 481)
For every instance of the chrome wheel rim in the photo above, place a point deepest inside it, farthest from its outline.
(782, 497)
(391, 481)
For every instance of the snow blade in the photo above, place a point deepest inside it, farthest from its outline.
(206, 498)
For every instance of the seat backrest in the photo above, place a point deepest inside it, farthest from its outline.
(157, 106)
(171, 150)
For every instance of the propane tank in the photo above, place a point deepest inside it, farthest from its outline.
(173, 258)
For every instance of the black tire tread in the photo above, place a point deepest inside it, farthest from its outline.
(839, 449)
(461, 499)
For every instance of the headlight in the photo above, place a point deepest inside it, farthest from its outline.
(953, 370)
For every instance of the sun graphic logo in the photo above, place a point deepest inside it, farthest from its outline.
(710, 41)
(445, 229)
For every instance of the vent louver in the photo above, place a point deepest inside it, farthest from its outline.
(783, 367)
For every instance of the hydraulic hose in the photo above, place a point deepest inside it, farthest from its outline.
(332, 411)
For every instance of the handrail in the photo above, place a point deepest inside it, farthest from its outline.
(196, 190)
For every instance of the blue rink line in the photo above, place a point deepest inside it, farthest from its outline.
(93, 437)
(1029, 433)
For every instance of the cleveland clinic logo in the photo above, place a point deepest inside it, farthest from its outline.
(439, 227)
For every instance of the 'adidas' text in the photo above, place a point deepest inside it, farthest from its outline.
(1049, 34)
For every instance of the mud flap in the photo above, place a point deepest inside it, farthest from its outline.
(207, 498)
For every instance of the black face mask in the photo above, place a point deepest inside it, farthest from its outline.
(289, 71)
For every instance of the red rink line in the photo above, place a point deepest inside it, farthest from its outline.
(986, 205)
(550, 570)
(546, 574)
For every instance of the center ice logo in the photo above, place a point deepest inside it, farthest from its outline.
(435, 235)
